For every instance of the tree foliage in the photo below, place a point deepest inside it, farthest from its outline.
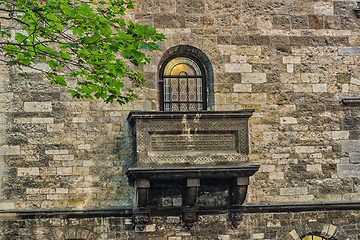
(88, 41)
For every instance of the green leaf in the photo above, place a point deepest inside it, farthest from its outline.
(52, 63)
(90, 50)
(60, 80)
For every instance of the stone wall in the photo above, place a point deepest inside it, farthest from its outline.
(291, 61)
(265, 226)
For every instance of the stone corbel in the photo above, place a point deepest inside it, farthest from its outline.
(189, 209)
(237, 198)
(142, 211)
(191, 176)
(238, 191)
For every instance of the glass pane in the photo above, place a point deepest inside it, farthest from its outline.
(192, 89)
(174, 90)
(193, 107)
(182, 66)
(199, 90)
(183, 107)
(183, 89)
(182, 93)
(182, 69)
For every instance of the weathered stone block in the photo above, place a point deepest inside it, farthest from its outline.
(304, 149)
(343, 7)
(355, 81)
(7, 205)
(248, 50)
(238, 68)
(355, 157)
(253, 77)
(252, 98)
(332, 22)
(52, 151)
(320, 87)
(316, 22)
(287, 191)
(223, 40)
(42, 120)
(81, 170)
(313, 168)
(349, 51)
(32, 191)
(58, 127)
(348, 170)
(227, 49)
(64, 170)
(288, 120)
(4, 76)
(301, 190)
(239, 40)
(189, 6)
(276, 175)
(259, 40)
(37, 107)
(306, 198)
(237, 58)
(30, 171)
(350, 145)
(169, 21)
(62, 190)
(324, 8)
(10, 150)
(242, 87)
(291, 59)
(340, 134)
(281, 22)
(299, 22)
(258, 236)
(174, 238)
(290, 68)
(294, 235)
(79, 119)
(224, 237)
(6, 97)
(303, 88)
(63, 157)
(150, 228)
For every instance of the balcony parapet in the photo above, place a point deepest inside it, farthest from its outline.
(182, 155)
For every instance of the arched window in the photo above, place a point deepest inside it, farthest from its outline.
(183, 85)
(185, 80)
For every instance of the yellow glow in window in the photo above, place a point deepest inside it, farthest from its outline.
(312, 237)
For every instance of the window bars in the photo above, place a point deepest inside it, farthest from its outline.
(183, 86)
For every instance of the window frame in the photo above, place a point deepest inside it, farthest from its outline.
(203, 76)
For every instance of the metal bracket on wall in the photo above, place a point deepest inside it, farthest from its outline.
(357, 9)
(351, 101)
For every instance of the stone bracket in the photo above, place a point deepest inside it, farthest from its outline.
(239, 181)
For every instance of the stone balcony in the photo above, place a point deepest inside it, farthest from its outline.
(178, 155)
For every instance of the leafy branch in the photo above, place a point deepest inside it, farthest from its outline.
(84, 40)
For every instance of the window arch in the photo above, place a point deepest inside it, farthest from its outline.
(185, 80)
(313, 237)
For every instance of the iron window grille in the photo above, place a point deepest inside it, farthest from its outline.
(183, 85)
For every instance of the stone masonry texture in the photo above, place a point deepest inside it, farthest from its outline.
(291, 61)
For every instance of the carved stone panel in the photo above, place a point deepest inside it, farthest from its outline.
(190, 138)
(211, 142)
